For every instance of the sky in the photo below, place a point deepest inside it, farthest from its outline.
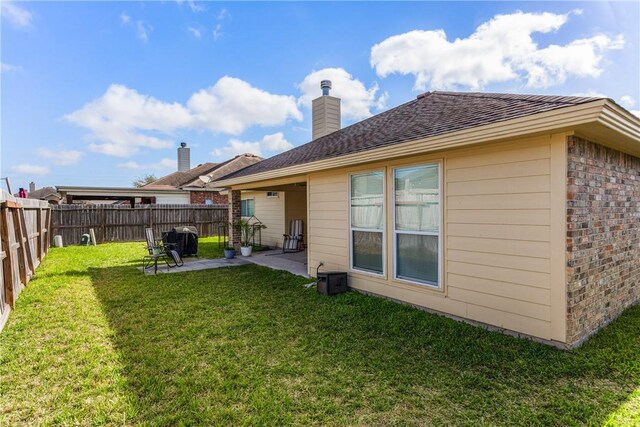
(101, 93)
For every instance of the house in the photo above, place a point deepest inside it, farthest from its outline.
(520, 212)
(49, 194)
(185, 186)
(194, 181)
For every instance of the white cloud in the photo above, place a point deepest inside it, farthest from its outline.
(125, 19)
(119, 119)
(223, 14)
(61, 158)
(142, 30)
(29, 169)
(16, 15)
(591, 94)
(272, 144)
(194, 6)
(232, 105)
(7, 68)
(499, 50)
(196, 33)
(627, 101)
(217, 32)
(122, 120)
(163, 164)
(357, 100)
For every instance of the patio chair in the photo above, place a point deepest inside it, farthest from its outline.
(159, 251)
(293, 242)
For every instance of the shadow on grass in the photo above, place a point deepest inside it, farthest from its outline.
(251, 345)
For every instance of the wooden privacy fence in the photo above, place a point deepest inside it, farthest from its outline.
(113, 223)
(24, 238)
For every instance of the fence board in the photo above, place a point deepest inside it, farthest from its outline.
(115, 223)
(20, 252)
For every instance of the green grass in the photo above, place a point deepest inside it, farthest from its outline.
(95, 342)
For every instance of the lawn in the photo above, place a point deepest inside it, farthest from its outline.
(94, 342)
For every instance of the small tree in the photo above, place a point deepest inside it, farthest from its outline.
(144, 180)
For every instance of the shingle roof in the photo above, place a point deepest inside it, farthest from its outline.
(430, 114)
(177, 179)
(191, 178)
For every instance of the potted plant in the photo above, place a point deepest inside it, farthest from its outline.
(229, 252)
(247, 231)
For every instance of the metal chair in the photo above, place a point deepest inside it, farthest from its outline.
(293, 242)
(159, 251)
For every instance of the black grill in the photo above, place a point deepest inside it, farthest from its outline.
(183, 239)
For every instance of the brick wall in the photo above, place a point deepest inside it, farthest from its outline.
(603, 236)
(198, 197)
(235, 213)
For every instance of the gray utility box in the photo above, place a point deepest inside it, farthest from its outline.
(332, 282)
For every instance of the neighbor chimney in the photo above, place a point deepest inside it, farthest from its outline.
(184, 157)
(32, 187)
(325, 112)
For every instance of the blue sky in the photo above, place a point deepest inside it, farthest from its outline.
(101, 93)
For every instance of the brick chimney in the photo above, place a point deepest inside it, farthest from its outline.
(184, 157)
(325, 112)
(32, 187)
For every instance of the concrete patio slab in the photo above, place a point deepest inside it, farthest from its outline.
(197, 264)
(293, 262)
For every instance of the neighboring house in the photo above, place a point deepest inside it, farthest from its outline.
(515, 211)
(50, 194)
(194, 182)
(185, 186)
(128, 195)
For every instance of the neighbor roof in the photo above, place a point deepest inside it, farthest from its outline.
(430, 114)
(178, 179)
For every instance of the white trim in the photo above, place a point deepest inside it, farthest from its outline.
(439, 234)
(369, 230)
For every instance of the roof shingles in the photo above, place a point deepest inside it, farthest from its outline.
(430, 114)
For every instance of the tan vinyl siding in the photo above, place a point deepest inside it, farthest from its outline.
(497, 240)
(270, 211)
(328, 236)
(501, 196)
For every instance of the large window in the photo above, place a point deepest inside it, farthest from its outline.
(367, 222)
(417, 224)
(247, 207)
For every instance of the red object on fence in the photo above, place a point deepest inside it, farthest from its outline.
(22, 193)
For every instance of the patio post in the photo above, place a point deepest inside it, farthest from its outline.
(235, 213)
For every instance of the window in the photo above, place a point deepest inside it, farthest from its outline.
(272, 194)
(417, 224)
(367, 222)
(247, 207)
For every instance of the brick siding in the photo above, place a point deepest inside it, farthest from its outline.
(235, 213)
(603, 236)
(199, 197)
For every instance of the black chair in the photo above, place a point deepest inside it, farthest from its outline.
(159, 251)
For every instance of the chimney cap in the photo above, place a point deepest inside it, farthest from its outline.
(325, 85)
(183, 144)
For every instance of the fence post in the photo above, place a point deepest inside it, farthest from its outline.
(7, 262)
(39, 249)
(103, 226)
(27, 244)
(47, 223)
(22, 253)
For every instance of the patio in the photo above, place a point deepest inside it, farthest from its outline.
(293, 262)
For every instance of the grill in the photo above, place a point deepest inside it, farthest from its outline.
(183, 239)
